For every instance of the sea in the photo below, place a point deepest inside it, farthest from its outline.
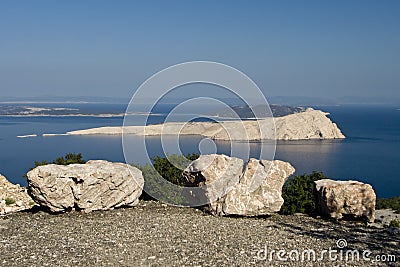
(370, 153)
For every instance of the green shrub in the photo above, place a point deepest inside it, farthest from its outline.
(9, 201)
(166, 167)
(70, 158)
(389, 203)
(394, 223)
(298, 194)
(159, 176)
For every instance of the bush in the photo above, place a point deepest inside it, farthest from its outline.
(9, 201)
(166, 167)
(394, 223)
(389, 203)
(298, 194)
(159, 176)
(70, 158)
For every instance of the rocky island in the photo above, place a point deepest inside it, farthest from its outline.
(308, 124)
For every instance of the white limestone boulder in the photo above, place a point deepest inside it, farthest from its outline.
(96, 185)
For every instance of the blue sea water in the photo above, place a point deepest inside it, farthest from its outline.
(370, 153)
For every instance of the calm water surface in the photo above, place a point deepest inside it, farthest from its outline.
(370, 153)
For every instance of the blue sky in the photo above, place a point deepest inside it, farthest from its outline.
(289, 48)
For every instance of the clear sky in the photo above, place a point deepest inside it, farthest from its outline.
(290, 48)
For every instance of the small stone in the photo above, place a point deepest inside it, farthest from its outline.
(8, 209)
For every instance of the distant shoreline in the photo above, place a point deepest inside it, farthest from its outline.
(27, 135)
(105, 115)
(64, 115)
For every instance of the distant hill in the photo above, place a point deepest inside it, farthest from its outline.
(245, 112)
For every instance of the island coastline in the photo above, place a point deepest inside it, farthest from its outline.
(308, 125)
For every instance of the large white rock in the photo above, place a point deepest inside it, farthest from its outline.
(96, 185)
(230, 188)
(345, 198)
(13, 197)
(259, 191)
(216, 175)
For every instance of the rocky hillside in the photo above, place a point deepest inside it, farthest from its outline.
(155, 234)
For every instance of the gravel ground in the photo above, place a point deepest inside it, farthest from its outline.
(153, 234)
